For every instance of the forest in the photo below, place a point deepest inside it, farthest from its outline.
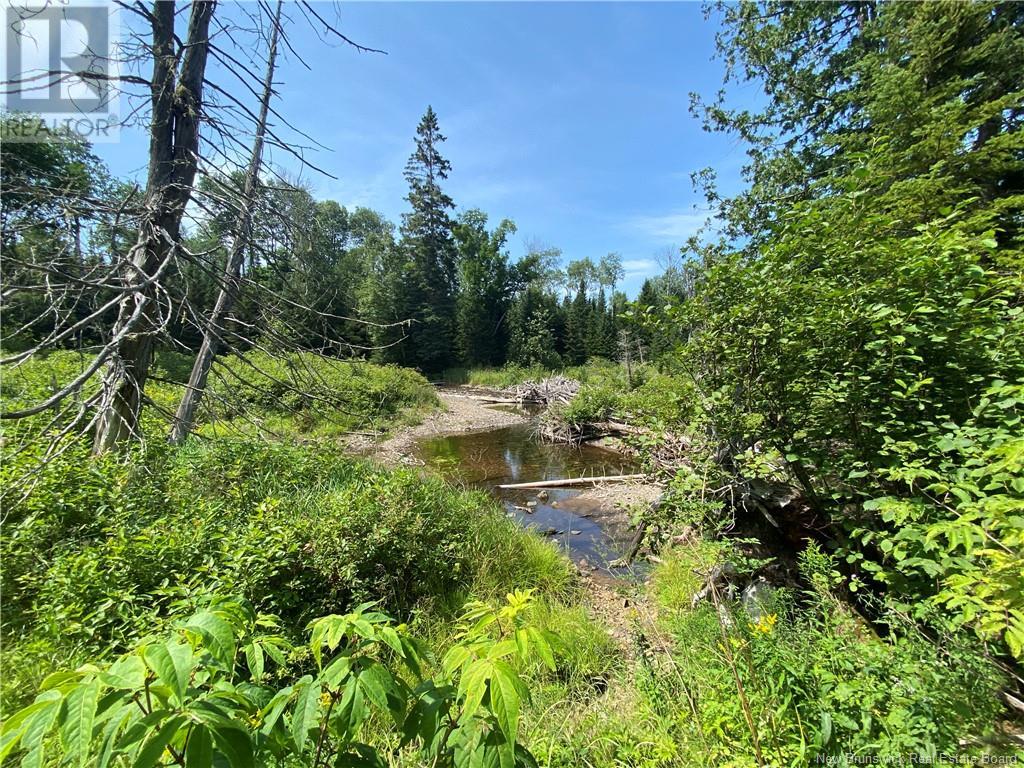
(227, 539)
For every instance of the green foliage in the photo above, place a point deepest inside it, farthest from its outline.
(868, 330)
(205, 694)
(101, 551)
(316, 393)
(486, 283)
(817, 680)
(959, 519)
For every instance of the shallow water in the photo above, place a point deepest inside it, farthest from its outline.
(515, 455)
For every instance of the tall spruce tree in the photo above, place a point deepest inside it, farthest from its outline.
(429, 248)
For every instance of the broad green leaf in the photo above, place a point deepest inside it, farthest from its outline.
(199, 747)
(271, 713)
(155, 746)
(377, 684)
(37, 727)
(473, 686)
(14, 727)
(455, 658)
(77, 718)
(505, 699)
(254, 660)
(217, 634)
(336, 672)
(57, 679)
(305, 714)
(110, 733)
(522, 638)
(235, 745)
(390, 637)
(127, 673)
(171, 666)
(362, 756)
(501, 648)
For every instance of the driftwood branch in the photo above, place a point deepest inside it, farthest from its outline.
(574, 481)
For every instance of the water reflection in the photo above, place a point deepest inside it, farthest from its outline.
(514, 455)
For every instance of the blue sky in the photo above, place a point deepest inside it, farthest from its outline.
(569, 118)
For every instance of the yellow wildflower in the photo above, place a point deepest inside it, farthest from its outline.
(765, 624)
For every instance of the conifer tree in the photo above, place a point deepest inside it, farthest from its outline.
(577, 326)
(486, 284)
(429, 248)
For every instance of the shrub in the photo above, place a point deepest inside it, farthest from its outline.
(298, 530)
(315, 393)
(206, 695)
(816, 680)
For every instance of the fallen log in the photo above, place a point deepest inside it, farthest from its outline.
(574, 481)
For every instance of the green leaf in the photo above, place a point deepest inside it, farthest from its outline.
(543, 647)
(362, 756)
(523, 643)
(171, 665)
(826, 728)
(379, 687)
(37, 727)
(127, 673)
(217, 634)
(336, 672)
(235, 745)
(473, 686)
(254, 659)
(154, 748)
(110, 732)
(455, 658)
(77, 720)
(505, 699)
(58, 679)
(13, 728)
(271, 713)
(389, 636)
(199, 747)
(307, 709)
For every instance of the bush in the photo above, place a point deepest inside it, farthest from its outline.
(508, 376)
(208, 693)
(313, 394)
(817, 680)
(299, 531)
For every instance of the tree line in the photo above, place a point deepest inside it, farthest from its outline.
(437, 291)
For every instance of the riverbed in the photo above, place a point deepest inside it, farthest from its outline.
(588, 525)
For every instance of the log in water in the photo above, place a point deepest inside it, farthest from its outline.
(574, 481)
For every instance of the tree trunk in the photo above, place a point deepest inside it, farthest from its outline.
(177, 99)
(184, 417)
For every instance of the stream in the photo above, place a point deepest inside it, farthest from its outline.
(591, 531)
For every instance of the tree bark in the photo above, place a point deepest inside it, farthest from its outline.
(177, 98)
(184, 417)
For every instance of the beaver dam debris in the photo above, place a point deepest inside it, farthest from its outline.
(554, 389)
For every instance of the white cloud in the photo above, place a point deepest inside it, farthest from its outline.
(674, 227)
(640, 266)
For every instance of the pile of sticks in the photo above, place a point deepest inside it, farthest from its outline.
(549, 391)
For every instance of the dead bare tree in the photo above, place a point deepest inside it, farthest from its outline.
(116, 305)
(184, 417)
(177, 102)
